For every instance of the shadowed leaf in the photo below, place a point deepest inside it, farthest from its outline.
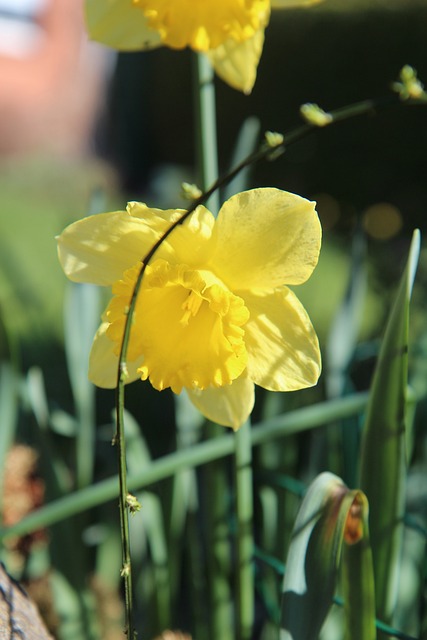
(383, 457)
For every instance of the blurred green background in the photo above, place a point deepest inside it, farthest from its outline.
(368, 176)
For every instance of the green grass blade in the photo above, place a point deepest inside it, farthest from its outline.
(152, 521)
(340, 349)
(345, 327)
(184, 531)
(149, 523)
(56, 473)
(245, 542)
(383, 456)
(81, 318)
(216, 492)
(75, 609)
(8, 415)
(246, 143)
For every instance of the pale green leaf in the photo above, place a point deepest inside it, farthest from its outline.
(383, 458)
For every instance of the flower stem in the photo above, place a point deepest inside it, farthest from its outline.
(119, 441)
(205, 132)
(208, 167)
(219, 554)
(245, 544)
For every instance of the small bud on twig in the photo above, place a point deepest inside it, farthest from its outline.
(190, 191)
(409, 87)
(133, 504)
(315, 115)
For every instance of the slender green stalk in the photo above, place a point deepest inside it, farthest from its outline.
(208, 166)
(245, 543)
(216, 481)
(119, 441)
(206, 136)
(8, 416)
(81, 319)
(215, 491)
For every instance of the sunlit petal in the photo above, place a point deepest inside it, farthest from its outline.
(229, 406)
(100, 248)
(265, 238)
(190, 242)
(283, 349)
(236, 62)
(120, 25)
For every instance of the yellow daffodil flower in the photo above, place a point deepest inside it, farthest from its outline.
(230, 32)
(213, 315)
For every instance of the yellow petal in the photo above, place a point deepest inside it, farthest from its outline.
(265, 238)
(206, 24)
(236, 62)
(100, 248)
(283, 349)
(292, 4)
(189, 243)
(120, 25)
(103, 362)
(229, 406)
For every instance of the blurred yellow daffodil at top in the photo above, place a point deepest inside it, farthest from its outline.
(213, 315)
(230, 32)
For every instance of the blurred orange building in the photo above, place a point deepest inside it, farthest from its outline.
(52, 80)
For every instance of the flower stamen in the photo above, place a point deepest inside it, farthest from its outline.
(190, 307)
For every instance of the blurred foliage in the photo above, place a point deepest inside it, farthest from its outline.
(359, 172)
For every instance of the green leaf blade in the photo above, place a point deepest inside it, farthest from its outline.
(383, 457)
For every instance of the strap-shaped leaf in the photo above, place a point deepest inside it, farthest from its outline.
(326, 518)
(383, 457)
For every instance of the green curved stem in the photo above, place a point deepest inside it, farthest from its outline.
(205, 132)
(119, 442)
